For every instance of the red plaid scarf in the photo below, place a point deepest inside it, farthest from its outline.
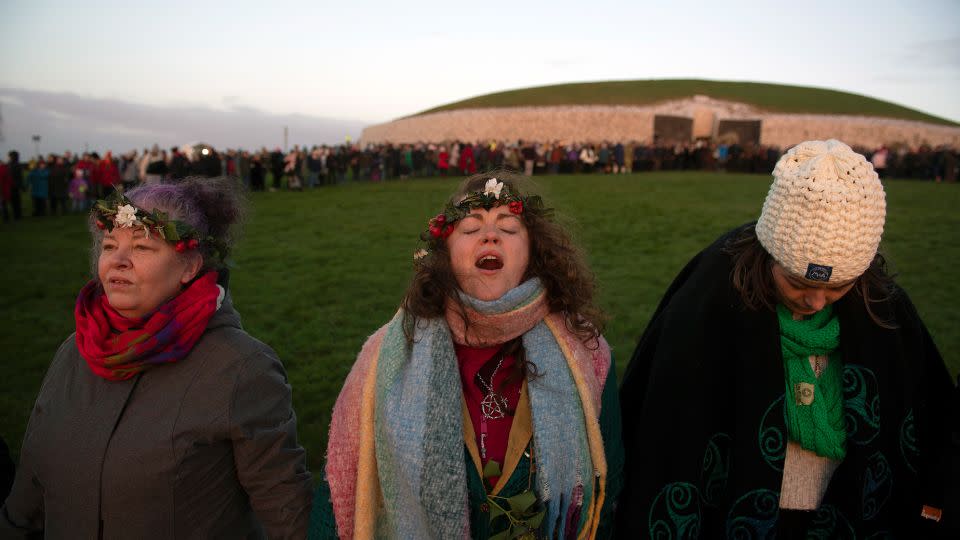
(117, 348)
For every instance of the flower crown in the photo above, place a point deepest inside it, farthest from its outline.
(119, 211)
(494, 193)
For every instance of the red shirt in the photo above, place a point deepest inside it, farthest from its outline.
(470, 361)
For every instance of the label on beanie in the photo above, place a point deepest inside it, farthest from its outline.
(818, 272)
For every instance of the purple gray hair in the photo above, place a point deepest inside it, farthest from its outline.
(212, 206)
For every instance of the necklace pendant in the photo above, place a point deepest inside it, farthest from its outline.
(493, 406)
(804, 393)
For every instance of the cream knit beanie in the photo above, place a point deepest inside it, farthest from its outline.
(824, 214)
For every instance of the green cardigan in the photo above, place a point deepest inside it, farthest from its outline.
(323, 525)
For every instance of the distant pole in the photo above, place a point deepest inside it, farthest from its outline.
(86, 147)
(285, 133)
(36, 144)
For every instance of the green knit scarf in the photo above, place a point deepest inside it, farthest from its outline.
(817, 425)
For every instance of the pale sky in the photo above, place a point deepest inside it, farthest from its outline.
(373, 61)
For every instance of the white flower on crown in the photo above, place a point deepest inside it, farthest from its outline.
(419, 254)
(494, 187)
(126, 216)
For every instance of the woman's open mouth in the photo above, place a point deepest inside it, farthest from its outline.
(489, 262)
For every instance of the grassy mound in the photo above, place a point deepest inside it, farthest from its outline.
(770, 97)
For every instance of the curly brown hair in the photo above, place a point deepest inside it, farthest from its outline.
(753, 278)
(554, 258)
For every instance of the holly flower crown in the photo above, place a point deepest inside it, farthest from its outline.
(117, 211)
(494, 193)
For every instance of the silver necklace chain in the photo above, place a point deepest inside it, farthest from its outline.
(493, 406)
(489, 386)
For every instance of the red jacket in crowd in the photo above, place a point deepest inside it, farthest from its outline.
(107, 173)
(467, 163)
(6, 183)
(88, 169)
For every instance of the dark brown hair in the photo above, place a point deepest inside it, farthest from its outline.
(752, 276)
(554, 258)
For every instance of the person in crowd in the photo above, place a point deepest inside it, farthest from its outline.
(512, 158)
(603, 158)
(78, 191)
(129, 175)
(786, 386)
(153, 167)
(628, 158)
(160, 417)
(443, 161)
(454, 160)
(258, 173)
(243, 167)
(59, 182)
(6, 191)
(488, 405)
(588, 157)
(39, 180)
(179, 164)
(108, 173)
(879, 161)
(15, 168)
(529, 154)
(555, 158)
(291, 169)
(314, 164)
(87, 165)
(206, 162)
(468, 164)
(276, 167)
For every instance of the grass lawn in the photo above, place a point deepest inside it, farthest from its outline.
(319, 271)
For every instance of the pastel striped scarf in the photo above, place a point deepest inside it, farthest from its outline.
(395, 458)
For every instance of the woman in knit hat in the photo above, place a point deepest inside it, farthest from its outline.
(786, 385)
(488, 405)
(160, 417)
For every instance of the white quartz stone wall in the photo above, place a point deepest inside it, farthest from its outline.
(624, 123)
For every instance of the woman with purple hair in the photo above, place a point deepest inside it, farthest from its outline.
(160, 417)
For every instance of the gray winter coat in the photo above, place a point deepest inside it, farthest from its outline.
(202, 448)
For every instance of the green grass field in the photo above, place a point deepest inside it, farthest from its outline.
(769, 97)
(317, 272)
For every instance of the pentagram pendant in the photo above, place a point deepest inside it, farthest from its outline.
(493, 406)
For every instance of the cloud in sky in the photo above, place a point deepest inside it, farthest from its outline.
(374, 60)
(68, 121)
(940, 56)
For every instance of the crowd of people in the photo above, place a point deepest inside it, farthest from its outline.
(69, 182)
(785, 386)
